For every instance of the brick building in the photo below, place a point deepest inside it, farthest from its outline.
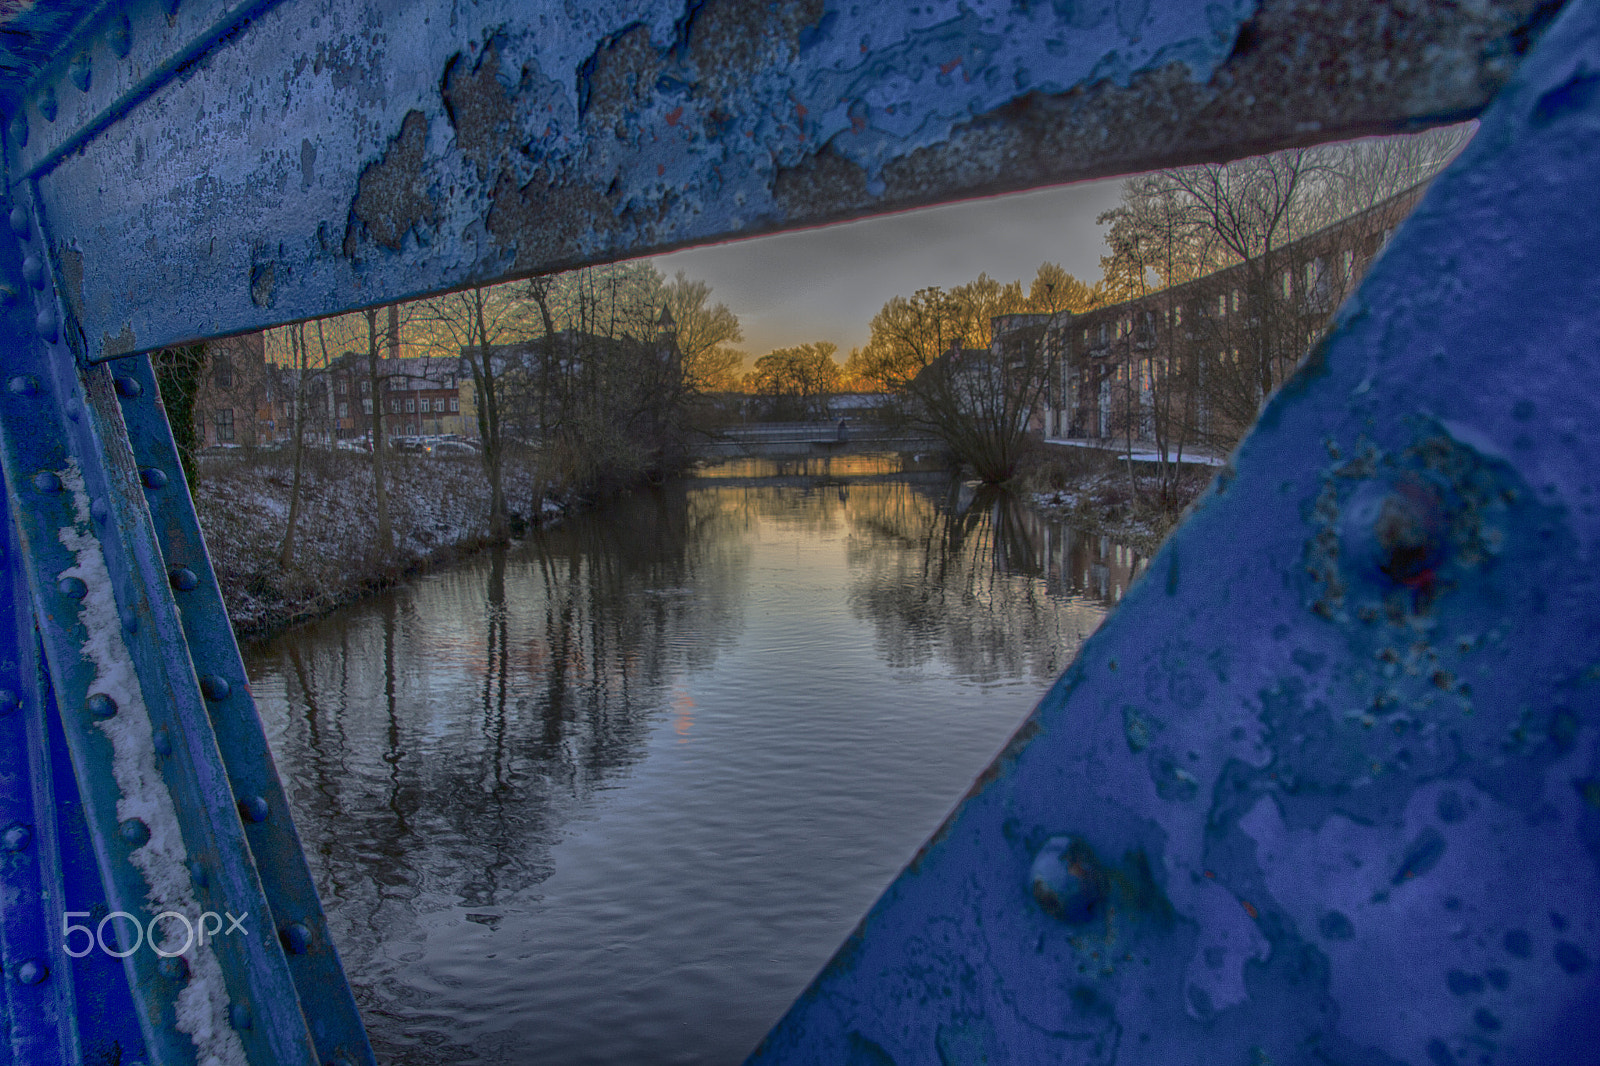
(420, 396)
(1191, 364)
(238, 398)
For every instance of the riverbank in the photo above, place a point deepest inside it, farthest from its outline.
(438, 512)
(1097, 495)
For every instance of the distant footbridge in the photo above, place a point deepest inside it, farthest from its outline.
(788, 439)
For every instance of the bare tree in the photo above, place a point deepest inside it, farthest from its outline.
(305, 372)
(296, 336)
(1157, 239)
(960, 379)
(615, 377)
(471, 328)
(705, 332)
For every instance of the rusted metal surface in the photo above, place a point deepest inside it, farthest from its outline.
(1326, 787)
(213, 168)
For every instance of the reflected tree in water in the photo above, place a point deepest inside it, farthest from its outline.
(981, 588)
(433, 765)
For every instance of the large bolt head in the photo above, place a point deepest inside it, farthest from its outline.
(1066, 879)
(1399, 531)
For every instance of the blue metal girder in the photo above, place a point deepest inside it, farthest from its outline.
(232, 165)
(1325, 788)
(231, 961)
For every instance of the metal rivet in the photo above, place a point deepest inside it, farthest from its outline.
(254, 808)
(101, 705)
(46, 481)
(32, 972)
(99, 512)
(8, 702)
(1400, 529)
(1067, 881)
(135, 832)
(80, 70)
(215, 688)
(72, 587)
(121, 37)
(162, 742)
(19, 215)
(23, 385)
(153, 478)
(46, 325)
(18, 837)
(296, 938)
(47, 102)
(239, 1016)
(173, 968)
(33, 271)
(183, 579)
(197, 873)
(127, 386)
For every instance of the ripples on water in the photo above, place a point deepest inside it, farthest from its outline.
(614, 795)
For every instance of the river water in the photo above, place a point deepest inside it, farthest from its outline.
(615, 794)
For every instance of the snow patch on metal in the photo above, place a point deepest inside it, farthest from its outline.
(202, 1006)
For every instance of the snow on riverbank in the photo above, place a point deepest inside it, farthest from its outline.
(1107, 502)
(438, 509)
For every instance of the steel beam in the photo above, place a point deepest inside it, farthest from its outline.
(151, 734)
(229, 166)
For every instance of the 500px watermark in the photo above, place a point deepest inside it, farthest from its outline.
(210, 924)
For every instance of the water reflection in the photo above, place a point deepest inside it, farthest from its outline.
(615, 794)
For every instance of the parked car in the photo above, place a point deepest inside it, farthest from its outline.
(451, 447)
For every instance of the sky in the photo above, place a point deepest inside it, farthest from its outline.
(825, 284)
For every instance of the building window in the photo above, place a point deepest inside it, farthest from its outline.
(222, 374)
(1235, 301)
(1288, 284)
(455, 405)
(1222, 303)
(394, 406)
(366, 406)
(224, 425)
(365, 386)
(344, 410)
(338, 387)
(411, 407)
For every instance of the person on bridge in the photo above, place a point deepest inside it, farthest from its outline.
(844, 430)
